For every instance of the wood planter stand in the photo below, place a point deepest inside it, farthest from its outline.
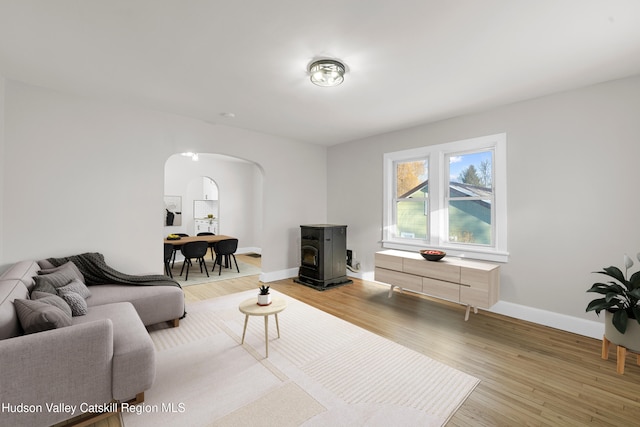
(621, 354)
(627, 342)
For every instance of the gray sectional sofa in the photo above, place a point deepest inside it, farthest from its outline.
(58, 361)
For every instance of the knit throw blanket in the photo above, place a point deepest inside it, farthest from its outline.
(96, 272)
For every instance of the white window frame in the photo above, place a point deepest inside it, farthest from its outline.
(438, 198)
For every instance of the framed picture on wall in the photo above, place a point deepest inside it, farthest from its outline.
(172, 211)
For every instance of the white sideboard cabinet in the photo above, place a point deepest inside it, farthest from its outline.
(206, 225)
(473, 283)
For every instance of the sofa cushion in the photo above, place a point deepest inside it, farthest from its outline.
(76, 286)
(53, 300)
(36, 294)
(9, 322)
(38, 316)
(23, 271)
(70, 366)
(75, 294)
(57, 279)
(44, 287)
(133, 351)
(154, 304)
(77, 304)
(67, 266)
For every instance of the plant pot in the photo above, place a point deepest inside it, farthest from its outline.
(266, 299)
(630, 339)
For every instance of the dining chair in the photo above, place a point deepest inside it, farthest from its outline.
(212, 244)
(196, 251)
(225, 249)
(168, 253)
(176, 248)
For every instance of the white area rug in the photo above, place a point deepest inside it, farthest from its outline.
(323, 371)
(196, 278)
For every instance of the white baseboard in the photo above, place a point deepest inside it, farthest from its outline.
(368, 275)
(249, 250)
(279, 275)
(588, 328)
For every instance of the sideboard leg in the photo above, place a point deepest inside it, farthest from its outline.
(391, 290)
(466, 314)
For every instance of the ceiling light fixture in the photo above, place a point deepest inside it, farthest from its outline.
(326, 72)
(194, 156)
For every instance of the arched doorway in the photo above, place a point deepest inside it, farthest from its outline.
(229, 188)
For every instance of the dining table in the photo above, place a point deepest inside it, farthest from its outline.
(208, 238)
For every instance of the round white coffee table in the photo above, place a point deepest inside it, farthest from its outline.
(250, 307)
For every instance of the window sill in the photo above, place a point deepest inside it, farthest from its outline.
(467, 253)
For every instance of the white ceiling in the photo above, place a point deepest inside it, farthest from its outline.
(409, 61)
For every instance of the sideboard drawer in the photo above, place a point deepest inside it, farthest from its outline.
(390, 262)
(481, 278)
(435, 269)
(402, 280)
(441, 289)
(475, 297)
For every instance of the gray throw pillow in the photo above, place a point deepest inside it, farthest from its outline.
(68, 266)
(76, 302)
(56, 280)
(76, 286)
(44, 287)
(36, 316)
(53, 300)
(39, 294)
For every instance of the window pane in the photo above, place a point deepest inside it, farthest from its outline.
(470, 175)
(470, 221)
(411, 179)
(411, 219)
(471, 198)
(457, 203)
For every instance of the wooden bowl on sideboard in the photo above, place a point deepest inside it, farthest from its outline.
(432, 254)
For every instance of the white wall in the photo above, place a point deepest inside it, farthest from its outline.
(2, 157)
(82, 175)
(573, 199)
(240, 196)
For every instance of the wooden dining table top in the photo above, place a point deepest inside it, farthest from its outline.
(208, 239)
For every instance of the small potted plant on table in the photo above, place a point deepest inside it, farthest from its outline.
(264, 297)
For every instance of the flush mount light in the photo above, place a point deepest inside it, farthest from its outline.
(326, 72)
(194, 156)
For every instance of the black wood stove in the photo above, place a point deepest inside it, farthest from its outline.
(323, 256)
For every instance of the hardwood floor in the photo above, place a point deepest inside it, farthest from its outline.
(530, 374)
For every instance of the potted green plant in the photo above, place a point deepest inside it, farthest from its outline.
(264, 297)
(620, 303)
